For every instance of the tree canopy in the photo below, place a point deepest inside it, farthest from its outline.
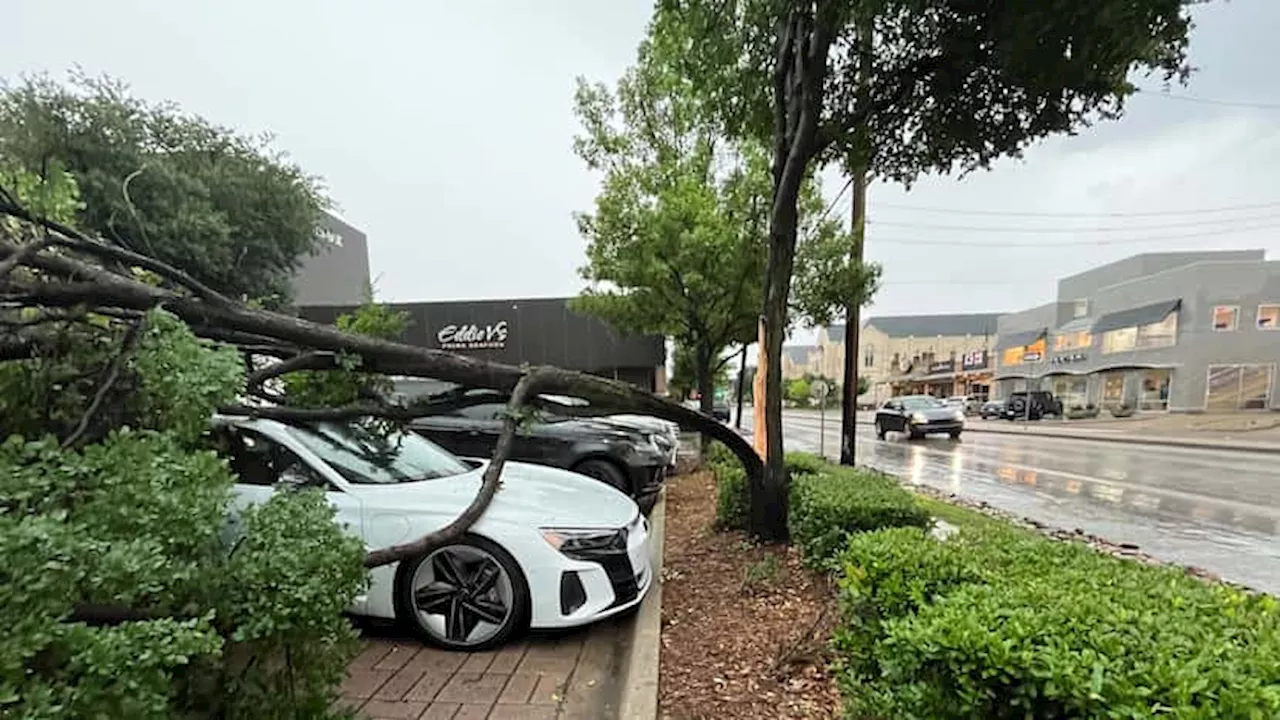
(894, 89)
(227, 208)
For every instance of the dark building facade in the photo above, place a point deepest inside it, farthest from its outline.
(541, 331)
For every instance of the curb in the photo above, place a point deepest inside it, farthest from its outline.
(640, 672)
(1193, 443)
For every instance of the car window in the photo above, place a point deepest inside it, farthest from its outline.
(367, 457)
(258, 460)
(920, 403)
(484, 411)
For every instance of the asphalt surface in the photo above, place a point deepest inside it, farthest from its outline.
(1214, 509)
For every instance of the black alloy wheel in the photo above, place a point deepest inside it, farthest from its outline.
(469, 595)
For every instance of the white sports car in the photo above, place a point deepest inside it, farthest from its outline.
(554, 549)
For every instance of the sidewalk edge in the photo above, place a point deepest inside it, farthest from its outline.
(640, 676)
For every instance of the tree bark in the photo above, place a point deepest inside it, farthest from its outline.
(852, 333)
(803, 42)
(706, 388)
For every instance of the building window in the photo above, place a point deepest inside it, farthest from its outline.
(1122, 340)
(1238, 387)
(1072, 341)
(1080, 309)
(869, 357)
(1269, 317)
(1160, 334)
(1225, 318)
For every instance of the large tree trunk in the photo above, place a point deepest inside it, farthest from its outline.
(802, 45)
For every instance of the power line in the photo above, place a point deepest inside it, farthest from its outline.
(1210, 101)
(1070, 230)
(1015, 213)
(1079, 243)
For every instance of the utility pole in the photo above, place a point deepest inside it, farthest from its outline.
(853, 326)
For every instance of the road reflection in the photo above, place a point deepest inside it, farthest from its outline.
(1210, 509)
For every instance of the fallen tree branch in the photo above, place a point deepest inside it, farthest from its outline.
(27, 252)
(303, 361)
(526, 387)
(75, 240)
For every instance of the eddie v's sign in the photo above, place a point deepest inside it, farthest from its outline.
(473, 337)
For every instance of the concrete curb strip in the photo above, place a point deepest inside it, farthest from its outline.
(640, 673)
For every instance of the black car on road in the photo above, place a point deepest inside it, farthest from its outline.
(918, 416)
(628, 459)
(1033, 405)
(991, 409)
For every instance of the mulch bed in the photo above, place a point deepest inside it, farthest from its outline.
(744, 627)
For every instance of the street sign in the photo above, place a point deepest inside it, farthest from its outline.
(820, 389)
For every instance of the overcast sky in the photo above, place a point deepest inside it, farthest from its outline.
(443, 130)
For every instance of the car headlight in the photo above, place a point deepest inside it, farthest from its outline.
(960, 416)
(919, 418)
(585, 543)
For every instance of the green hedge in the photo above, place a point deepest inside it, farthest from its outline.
(835, 502)
(997, 622)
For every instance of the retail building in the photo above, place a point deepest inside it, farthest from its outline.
(940, 355)
(542, 331)
(1188, 331)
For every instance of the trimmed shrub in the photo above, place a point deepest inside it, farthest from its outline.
(829, 506)
(1002, 623)
(799, 463)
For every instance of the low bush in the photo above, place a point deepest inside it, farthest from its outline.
(997, 622)
(731, 487)
(831, 502)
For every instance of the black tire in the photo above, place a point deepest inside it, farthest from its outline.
(955, 435)
(916, 435)
(880, 431)
(604, 471)
(473, 560)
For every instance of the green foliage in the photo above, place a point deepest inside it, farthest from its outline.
(799, 391)
(828, 280)
(864, 385)
(331, 388)
(731, 487)
(226, 208)
(237, 624)
(1002, 623)
(829, 503)
(940, 86)
(182, 380)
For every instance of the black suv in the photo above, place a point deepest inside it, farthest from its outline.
(628, 459)
(1033, 405)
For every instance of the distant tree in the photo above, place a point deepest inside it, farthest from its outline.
(676, 241)
(896, 88)
(227, 208)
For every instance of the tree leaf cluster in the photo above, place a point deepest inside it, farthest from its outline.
(234, 213)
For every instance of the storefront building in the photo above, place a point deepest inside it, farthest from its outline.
(1182, 332)
(541, 331)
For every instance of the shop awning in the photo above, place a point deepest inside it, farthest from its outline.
(1019, 339)
(1075, 326)
(1135, 317)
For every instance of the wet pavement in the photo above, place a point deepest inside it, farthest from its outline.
(1214, 509)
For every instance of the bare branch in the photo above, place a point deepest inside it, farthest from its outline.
(20, 257)
(526, 387)
(104, 387)
(304, 361)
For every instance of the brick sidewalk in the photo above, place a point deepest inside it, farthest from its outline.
(403, 678)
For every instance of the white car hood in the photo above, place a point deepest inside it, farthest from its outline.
(529, 495)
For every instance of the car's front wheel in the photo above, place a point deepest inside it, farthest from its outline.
(880, 431)
(468, 595)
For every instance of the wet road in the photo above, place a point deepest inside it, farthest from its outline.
(1218, 510)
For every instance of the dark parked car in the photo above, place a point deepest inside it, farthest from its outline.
(1033, 405)
(720, 409)
(991, 409)
(629, 459)
(917, 416)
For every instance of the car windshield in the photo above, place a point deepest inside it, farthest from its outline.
(920, 403)
(364, 456)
